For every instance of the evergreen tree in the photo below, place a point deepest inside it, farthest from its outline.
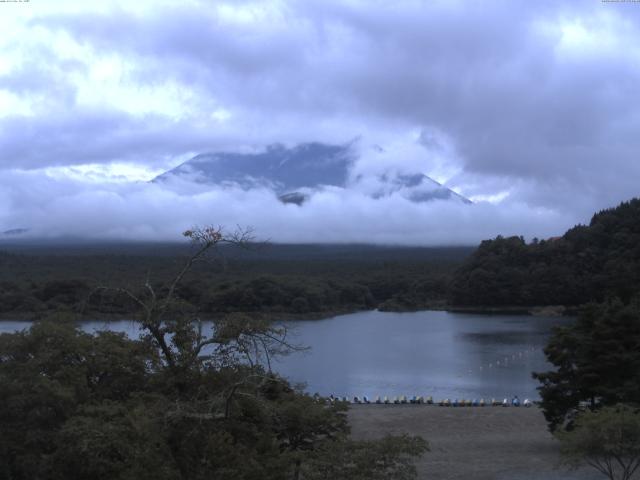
(597, 362)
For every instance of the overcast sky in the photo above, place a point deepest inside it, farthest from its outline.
(531, 109)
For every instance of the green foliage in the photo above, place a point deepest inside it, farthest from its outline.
(46, 374)
(588, 263)
(597, 362)
(114, 440)
(74, 405)
(179, 403)
(281, 279)
(607, 439)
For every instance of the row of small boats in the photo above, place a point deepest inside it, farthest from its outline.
(446, 402)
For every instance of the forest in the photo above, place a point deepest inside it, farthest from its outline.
(587, 264)
(298, 280)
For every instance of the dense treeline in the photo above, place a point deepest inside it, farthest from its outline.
(294, 279)
(596, 360)
(588, 263)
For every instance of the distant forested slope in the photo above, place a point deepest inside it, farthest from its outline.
(588, 263)
(37, 279)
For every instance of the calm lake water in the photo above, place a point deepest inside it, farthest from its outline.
(424, 353)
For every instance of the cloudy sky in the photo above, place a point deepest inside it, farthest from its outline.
(531, 109)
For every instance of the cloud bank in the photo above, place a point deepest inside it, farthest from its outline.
(145, 211)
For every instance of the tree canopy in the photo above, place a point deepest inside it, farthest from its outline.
(608, 440)
(588, 263)
(597, 362)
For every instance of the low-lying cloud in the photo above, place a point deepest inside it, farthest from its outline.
(52, 207)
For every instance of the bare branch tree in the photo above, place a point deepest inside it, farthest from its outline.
(182, 341)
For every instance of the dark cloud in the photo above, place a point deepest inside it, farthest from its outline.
(535, 101)
(81, 136)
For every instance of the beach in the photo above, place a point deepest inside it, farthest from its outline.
(480, 443)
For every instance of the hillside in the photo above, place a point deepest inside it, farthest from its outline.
(588, 263)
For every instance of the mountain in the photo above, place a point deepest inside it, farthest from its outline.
(294, 174)
(282, 169)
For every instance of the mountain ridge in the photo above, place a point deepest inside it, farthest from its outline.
(295, 173)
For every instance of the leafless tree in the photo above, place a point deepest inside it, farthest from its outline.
(182, 341)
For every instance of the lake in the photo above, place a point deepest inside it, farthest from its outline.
(443, 354)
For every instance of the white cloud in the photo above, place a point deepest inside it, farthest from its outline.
(96, 173)
(52, 207)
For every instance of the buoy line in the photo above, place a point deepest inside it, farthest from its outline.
(503, 362)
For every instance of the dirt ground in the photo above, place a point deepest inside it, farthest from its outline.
(483, 443)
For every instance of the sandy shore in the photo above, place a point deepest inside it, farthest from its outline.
(472, 442)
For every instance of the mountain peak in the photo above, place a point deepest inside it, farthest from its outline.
(294, 173)
(277, 167)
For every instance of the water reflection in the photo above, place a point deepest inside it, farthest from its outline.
(421, 353)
